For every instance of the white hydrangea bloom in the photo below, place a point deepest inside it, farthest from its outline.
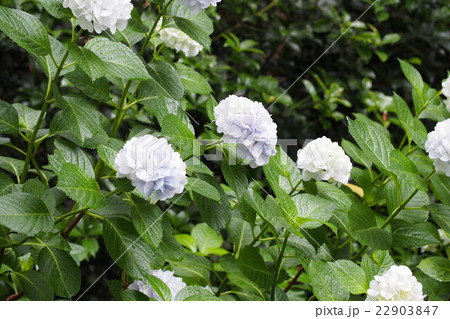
(397, 284)
(434, 248)
(195, 6)
(437, 146)
(180, 41)
(447, 104)
(446, 87)
(323, 159)
(250, 126)
(100, 15)
(152, 166)
(175, 284)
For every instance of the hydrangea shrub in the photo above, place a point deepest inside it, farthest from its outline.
(116, 161)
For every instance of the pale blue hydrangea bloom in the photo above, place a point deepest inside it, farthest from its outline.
(195, 6)
(248, 125)
(152, 166)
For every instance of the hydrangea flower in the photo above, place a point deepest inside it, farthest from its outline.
(250, 126)
(446, 87)
(100, 15)
(437, 146)
(152, 166)
(180, 41)
(175, 284)
(434, 248)
(323, 159)
(195, 6)
(397, 284)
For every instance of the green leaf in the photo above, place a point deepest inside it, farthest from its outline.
(67, 152)
(165, 106)
(413, 126)
(391, 38)
(48, 65)
(91, 64)
(378, 265)
(180, 136)
(195, 293)
(166, 79)
(119, 60)
(324, 283)
(415, 210)
(253, 267)
(132, 295)
(206, 238)
(313, 211)
(56, 9)
(372, 140)
(25, 213)
(35, 187)
(413, 235)
(12, 165)
(192, 80)
(240, 233)
(9, 120)
(26, 30)
(350, 275)
(412, 75)
(196, 26)
(160, 288)
(235, 177)
(169, 248)
(193, 269)
(35, 286)
(203, 188)
(79, 186)
(216, 214)
(28, 117)
(80, 118)
(441, 215)
(437, 268)
(282, 172)
(187, 241)
(109, 151)
(365, 229)
(406, 170)
(127, 248)
(355, 153)
(61, 271)
(7, 186)
(147, 220)
(97, 90)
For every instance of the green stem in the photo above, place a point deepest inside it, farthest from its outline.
(278, 266)
(295, 187)
(395, 213)
(48, 94)
(15, 244)
(69, 214)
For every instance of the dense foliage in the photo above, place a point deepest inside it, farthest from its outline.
(96, 205)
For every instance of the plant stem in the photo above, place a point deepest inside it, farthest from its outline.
(395, 213)
(48, 94)
(294, 279)
(69, 214)
(15, 296)
(295, 187)
(72, 225)
(15, 244)
(278, 266)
